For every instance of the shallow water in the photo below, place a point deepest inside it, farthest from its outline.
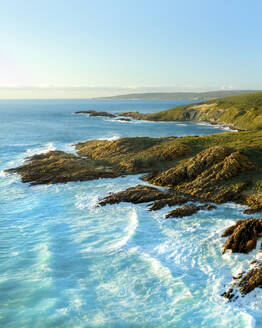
(65, 263)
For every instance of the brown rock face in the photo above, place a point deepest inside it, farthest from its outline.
(171, 201)
(243, 235)
(255, 203)
(60, 167)
(207, 174)
(136, 195)
(188, 210)
(191, 168)
(247, 281)
(251, 280)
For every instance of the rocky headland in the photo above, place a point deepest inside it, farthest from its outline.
(216, 168)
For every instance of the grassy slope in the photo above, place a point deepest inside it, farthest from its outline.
(242, 112)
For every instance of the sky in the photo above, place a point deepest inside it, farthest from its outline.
(91, 48)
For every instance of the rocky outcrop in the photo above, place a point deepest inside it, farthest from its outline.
(171, 201)
(191, 168)
(135, 195)
(60, 167)
(95, 113)
(207, 175)
(188, 210)
(243, 235)
(133, 115)
(246, 281)
(242, 238)
(255, 203)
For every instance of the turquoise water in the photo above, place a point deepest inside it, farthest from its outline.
(65, 263)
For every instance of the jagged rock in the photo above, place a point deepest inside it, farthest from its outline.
(251, 280)
(229, 294)
(207, 175)
(174, 200)
(247, 281)
(60, 167)
(255, 203)
(95, 113)
(191, 168)
(243, 235)
(136, 195)
(188, 210)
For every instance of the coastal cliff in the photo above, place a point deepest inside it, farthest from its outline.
(243, 112)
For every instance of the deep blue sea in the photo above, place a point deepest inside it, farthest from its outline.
(64, 263)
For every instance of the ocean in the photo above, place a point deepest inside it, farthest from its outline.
(65, 263)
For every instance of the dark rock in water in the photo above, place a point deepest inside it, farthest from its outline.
(188, 210)
(229, 294)
(243, 235)
(136, 195)
(95, 113)
(123, 119)
(251, 280)
(60, 167)
(171, 201)
(247, 281)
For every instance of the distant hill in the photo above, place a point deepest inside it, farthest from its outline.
(180, 95)
(242, 112)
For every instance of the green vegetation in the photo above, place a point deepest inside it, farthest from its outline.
(242, 112)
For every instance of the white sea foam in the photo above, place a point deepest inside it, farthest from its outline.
(110, 138)
(128, 231)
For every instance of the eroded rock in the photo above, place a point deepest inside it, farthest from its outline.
(243, 235)
(255, 203)
(171, 201)
(188, 210)
(135, 195)
(60, 167)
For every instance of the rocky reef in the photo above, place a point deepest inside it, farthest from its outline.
(242, 238)
(188, 210)
(135, 195)
(95, 113)
(60, 167)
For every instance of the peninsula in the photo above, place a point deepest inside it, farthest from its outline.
(214, 168)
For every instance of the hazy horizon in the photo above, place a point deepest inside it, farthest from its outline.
(86, 49)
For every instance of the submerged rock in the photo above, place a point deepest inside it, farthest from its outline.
(188, 210)
(171, 201)
(243, 235)
(135, 195)
(123, 119)
(95, 113)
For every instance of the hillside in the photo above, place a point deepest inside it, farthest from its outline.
(180, 95)
(243, 112)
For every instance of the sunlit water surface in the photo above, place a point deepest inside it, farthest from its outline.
(66, 263)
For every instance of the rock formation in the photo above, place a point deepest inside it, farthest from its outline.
(188, 210)
(95, 113)
(135, 195)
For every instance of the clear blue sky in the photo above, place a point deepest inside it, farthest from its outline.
(119, 46)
